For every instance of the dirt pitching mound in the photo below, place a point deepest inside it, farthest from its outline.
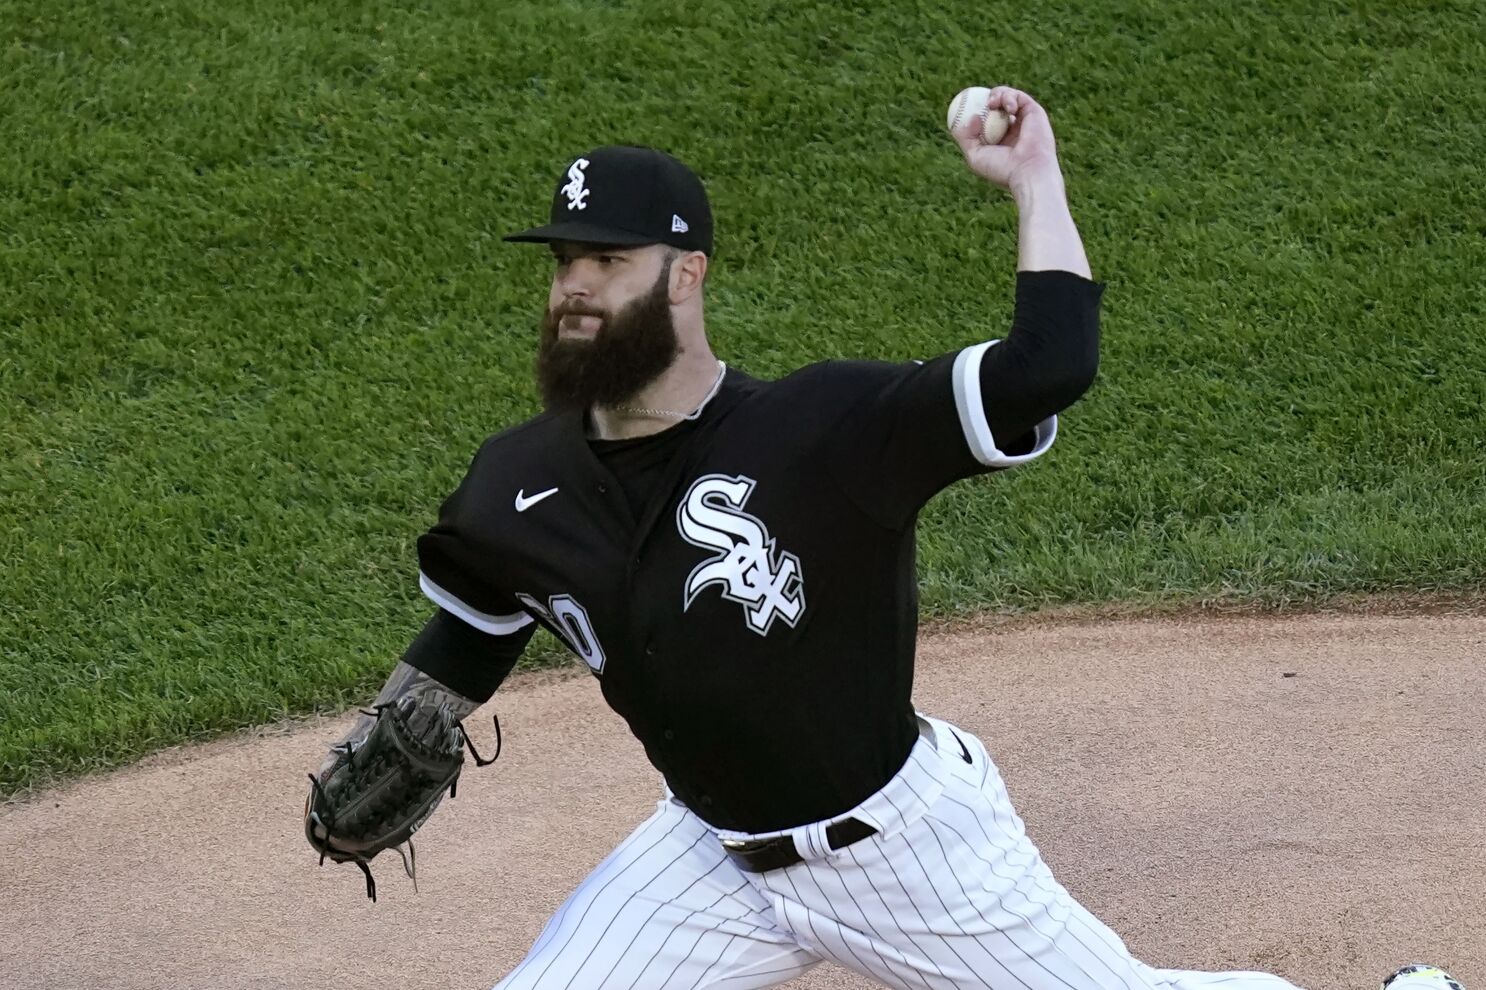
(1301, 795)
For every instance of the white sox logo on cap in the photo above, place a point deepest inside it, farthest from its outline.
(575, 191)
(748, 565)
(643, 196)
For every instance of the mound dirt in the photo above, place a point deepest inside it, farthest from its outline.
(1299, 794)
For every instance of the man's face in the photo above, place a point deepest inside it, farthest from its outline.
(607, 330)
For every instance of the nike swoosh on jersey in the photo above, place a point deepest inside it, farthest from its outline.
(523, 503)
(964, 750)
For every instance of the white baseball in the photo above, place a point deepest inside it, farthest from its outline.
(972, 102)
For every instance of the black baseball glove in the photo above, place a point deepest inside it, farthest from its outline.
(380, 790)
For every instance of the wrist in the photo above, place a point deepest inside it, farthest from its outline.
(1035, 187)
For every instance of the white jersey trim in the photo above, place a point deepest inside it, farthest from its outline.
(496, 625)
(971, 407)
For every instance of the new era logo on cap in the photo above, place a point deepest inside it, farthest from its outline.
(623, 195)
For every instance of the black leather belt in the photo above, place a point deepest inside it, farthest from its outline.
(763, 855)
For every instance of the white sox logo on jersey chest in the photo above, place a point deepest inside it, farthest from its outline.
(750, 568)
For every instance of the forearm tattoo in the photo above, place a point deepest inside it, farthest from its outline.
(407, 681)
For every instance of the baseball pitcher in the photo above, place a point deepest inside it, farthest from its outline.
(733, 559)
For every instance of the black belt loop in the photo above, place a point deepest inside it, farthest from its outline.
(763, 855)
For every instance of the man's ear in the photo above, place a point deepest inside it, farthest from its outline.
(688, 272)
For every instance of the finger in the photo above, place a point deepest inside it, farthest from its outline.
(1008, 98)
(1017, 103)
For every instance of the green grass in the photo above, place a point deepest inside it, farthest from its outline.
(256, 315)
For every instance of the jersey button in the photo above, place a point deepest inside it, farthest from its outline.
(603, 488)
(668, 735)
(705, 802)
(650, 649)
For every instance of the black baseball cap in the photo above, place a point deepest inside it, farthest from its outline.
(626, 195)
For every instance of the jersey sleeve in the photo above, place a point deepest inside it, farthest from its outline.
(467, 661)
(457, 569)
(916, 428)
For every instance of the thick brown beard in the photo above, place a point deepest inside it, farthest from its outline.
(632, 349)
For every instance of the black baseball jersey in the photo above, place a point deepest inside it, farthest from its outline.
(756, 624)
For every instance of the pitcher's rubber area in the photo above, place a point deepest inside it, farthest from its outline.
(1301, 795)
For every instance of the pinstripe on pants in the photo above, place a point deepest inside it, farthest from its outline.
(949, 895)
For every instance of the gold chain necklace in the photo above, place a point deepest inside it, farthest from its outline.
(673, 414)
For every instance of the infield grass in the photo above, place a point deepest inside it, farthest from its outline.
(256, 315)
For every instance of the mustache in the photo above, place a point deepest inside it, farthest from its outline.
(577, 309)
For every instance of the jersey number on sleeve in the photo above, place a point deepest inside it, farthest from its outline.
(564, 616)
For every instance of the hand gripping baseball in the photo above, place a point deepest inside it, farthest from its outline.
(1027, 150)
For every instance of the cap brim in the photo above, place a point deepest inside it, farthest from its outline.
(585, 233)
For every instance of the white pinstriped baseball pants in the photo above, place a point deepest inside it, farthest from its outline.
(949, 895)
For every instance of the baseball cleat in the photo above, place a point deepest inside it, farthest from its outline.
(1420, 976)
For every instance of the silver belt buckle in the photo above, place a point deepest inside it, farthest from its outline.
(748, 846)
